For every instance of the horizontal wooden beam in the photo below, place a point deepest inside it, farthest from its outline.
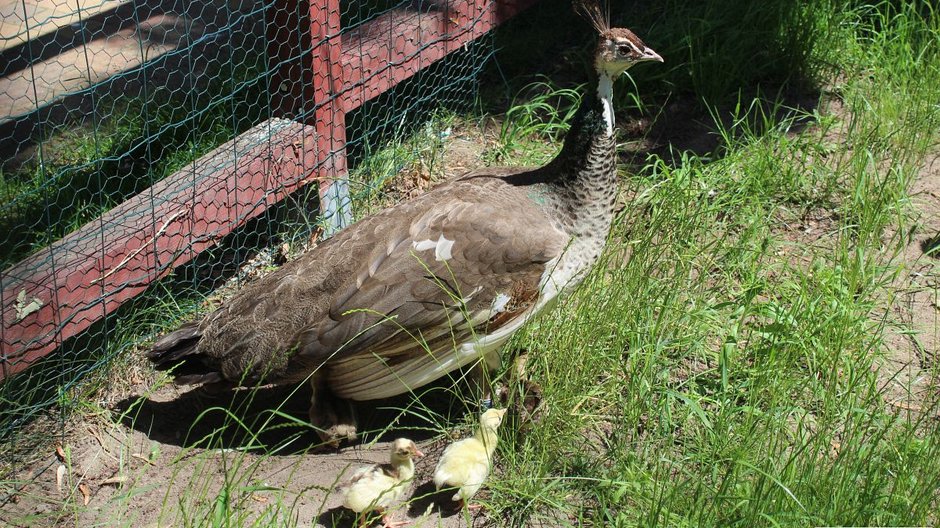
(396, 45)
(76, 281)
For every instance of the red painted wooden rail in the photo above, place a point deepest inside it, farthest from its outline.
(324, 73)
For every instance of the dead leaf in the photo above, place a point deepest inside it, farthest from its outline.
(116, 480)
(282, 254)
(138, 456)
(259, 498)
(86, 493)
(60, 453)
(836, 448)
(24, 308)
(60, 477)
(315, 237)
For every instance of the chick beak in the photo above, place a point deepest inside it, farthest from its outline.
(418, 452)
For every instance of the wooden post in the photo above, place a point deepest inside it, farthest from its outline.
(304, 40)
(329, 115)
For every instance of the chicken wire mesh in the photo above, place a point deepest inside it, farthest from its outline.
(159, 139)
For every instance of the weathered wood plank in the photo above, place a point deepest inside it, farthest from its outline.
(395, 46)
(69, 285)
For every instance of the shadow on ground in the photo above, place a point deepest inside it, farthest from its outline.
(683, 127)
(931, 246)
(275, 420)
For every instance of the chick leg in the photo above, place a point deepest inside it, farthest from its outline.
(333, 418)
(388, 522)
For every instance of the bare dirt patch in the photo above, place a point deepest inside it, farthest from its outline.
(145, 466)
(909, 373)
(460, 151)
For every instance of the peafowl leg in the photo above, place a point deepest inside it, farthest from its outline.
(462, 503)
(334, 418)
(481, 379)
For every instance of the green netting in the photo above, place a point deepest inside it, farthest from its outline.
(106, 103)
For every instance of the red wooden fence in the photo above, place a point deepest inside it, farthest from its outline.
(66, 287)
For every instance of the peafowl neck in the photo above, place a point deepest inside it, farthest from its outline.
(583, 176)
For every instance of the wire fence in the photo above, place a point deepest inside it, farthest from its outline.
(151, 147)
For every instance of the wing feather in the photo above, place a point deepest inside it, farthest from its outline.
(369, 311)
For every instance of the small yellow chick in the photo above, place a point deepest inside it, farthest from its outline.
(465, 464)
(375, 488)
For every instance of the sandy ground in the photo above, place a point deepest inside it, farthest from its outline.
(913, 337)
(148, 470)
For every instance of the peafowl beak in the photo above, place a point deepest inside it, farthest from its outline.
(650, 55)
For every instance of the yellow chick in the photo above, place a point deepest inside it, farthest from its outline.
(465, 464)
(375, 488)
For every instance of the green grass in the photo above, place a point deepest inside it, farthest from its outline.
(539, 115)
(732, 384)
(718, 368)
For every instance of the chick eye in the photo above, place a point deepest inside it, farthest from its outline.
(624, 49)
